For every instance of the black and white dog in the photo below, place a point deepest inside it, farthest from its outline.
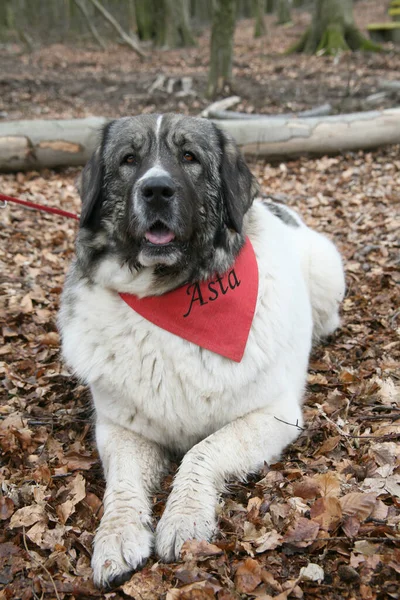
(170, 223)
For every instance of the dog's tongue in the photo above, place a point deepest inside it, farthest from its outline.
(159, 236)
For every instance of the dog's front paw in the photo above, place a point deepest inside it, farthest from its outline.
(119, 549)
(180, 524)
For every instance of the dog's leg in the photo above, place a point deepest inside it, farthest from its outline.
(235, 450)
(133, 467)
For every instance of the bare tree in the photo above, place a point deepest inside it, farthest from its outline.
(82, 7)
(114, 23)
(172, 26)
(332, 30)
(221, 56)
(260, 28)
(283, 11)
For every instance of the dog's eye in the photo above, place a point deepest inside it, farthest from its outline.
(189, 157)
(129, 159)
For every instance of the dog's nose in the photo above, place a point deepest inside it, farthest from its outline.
(158, 188)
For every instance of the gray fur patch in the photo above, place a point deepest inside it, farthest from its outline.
(280, 211)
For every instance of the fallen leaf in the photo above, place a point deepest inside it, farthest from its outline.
(302, 533)
(145, 585)
(307, 489)
(328, 445)
(27, 516)
(357, 504)
(26, 304)
(312, 572)
(248, 576)
(326, 512)
(351, 526)
(329, 484)
(199, 549)
(383, 485)
(76, 491)
(268, 541)
(6, 507)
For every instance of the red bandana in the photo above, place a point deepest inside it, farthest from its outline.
(215, 314)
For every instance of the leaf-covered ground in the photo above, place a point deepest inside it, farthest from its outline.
(323, 522)
(332, 501)
(78, 81)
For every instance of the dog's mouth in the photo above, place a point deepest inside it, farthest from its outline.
(159, 234)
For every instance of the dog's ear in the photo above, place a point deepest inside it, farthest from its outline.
(239, 186)
(90, 189)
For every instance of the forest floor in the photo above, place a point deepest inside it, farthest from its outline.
(334, 498)
(70, 81)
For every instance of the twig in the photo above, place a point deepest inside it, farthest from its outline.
(128, 40)
(82, 7)
(34, 559)
(385, 437)
(379, 417)
(352, 539)
(291, 424)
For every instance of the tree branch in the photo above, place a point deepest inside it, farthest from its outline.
(128, 40)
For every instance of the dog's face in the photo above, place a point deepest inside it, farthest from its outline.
(165, 192)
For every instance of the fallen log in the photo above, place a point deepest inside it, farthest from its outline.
(28, 145)
(31, 145)
(315, 136)
(318, 111)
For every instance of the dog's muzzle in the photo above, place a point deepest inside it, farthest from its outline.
(158, 191)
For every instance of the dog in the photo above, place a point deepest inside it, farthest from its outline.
(171, 221)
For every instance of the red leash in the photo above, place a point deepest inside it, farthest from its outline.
(49, 209)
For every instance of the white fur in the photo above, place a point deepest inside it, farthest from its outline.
(154, 391)
(156, 171)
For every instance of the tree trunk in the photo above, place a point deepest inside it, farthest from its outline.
(260, 28)
(32, 145)
(223, 28)
(333, 30)
(270, 6)
(145, 12)
(284, 12)
(172, 25)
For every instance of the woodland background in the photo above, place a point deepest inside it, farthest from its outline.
(323, 522)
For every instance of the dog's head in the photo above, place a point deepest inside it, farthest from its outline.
(165, 192)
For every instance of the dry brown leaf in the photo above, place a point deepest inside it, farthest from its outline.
(385, 453)
(326, 512)
(75, 461)
(268, 541)
(328, 445)
(248, 576)
(76, 491)
(351, 526)
(145, 585)
(200, 590)
(308, 489)
(27, 516)
(383, 485)
(6, 507)
(302, 533)
(329, 484)
(26, 304)
(50, 339)
(357, 504)
(198, 549)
